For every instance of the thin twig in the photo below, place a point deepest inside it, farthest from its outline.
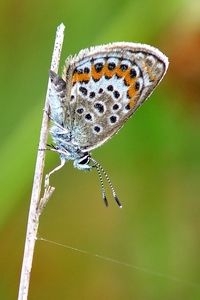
(34, 212)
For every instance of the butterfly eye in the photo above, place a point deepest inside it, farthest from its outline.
(84, 160)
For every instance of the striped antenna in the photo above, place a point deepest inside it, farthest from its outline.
(101, 171)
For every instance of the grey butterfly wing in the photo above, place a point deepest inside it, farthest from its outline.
(107, 84)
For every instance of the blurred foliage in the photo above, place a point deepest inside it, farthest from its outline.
(154, 161)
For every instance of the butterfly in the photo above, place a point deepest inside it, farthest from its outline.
(101, 87)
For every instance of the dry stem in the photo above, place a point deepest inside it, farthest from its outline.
(37, 204)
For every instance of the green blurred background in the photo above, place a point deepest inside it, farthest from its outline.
(154, 162)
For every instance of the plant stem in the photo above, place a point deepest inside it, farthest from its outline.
(34, 211)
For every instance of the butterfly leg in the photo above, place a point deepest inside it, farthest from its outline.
(48, 190)
(46, 183)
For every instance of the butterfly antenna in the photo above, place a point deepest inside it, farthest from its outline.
(100, 170)
(102, 184)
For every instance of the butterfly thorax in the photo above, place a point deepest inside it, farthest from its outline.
(63, 144)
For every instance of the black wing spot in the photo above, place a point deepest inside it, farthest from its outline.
(116, 94)
(88, 117)
(133, 73)
(110, 88)
(111, 66)
(98, 106)
(83, 90)
(115, 107)
(123, 67)
(97, 129)
(137, 85)
(80, 111)
(98, 67)
(113, 119)
(92, 95)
